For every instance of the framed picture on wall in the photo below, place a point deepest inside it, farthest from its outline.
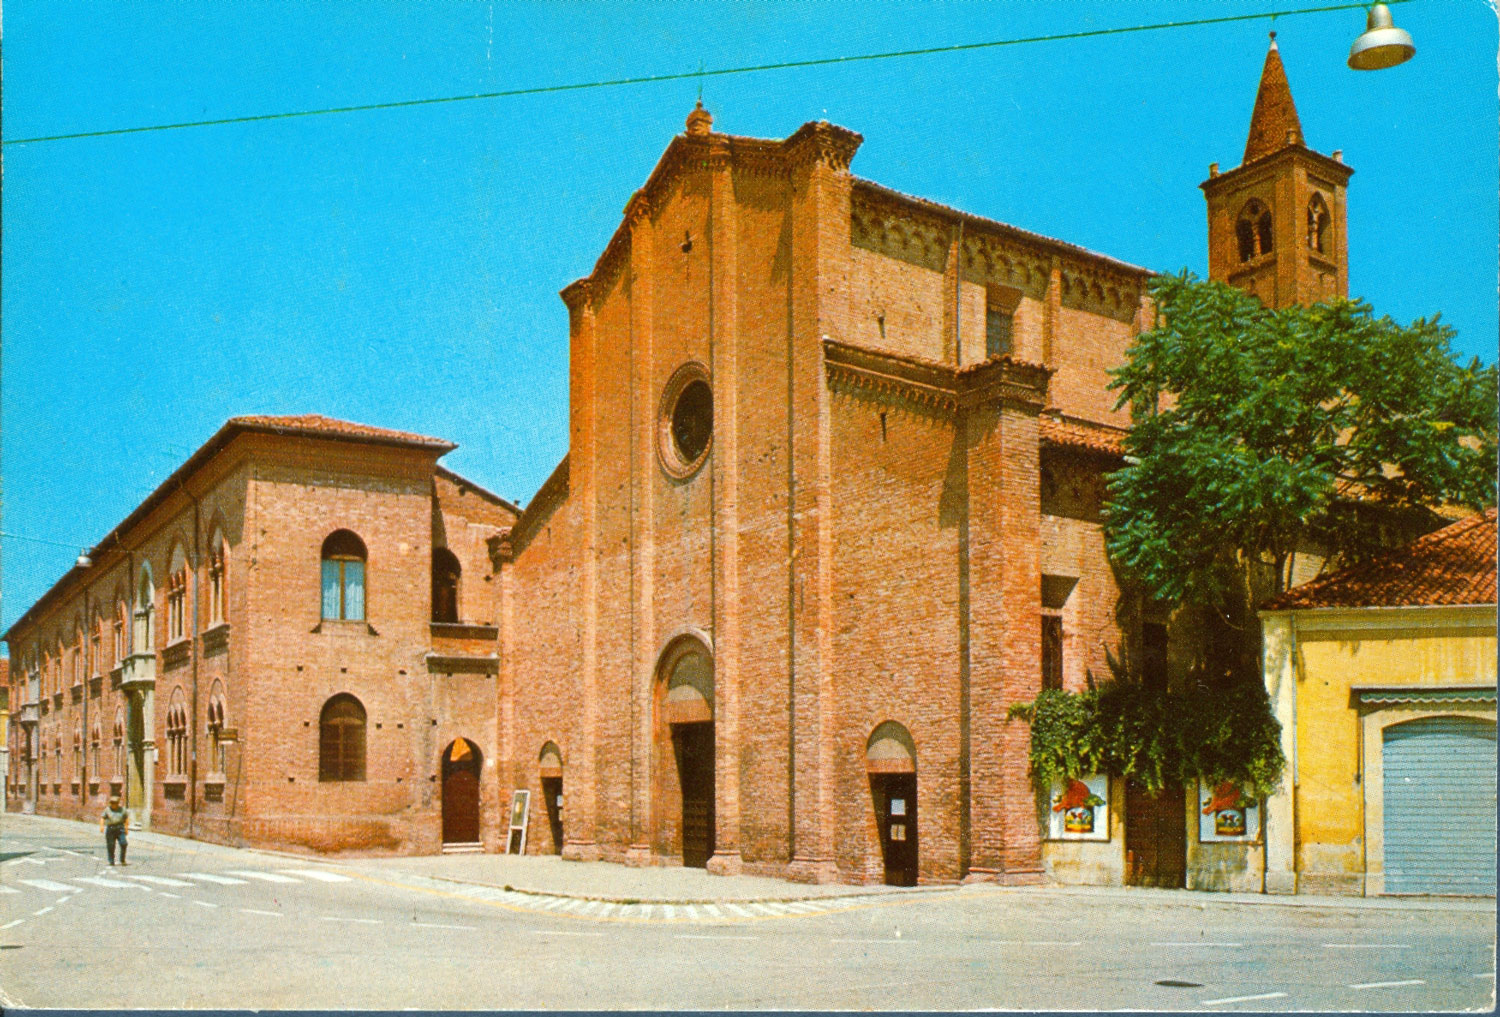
(1226, 814)
(1078, 808)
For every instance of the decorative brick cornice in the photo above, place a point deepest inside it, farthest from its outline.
(940, 389)
(821, 142)
(554, 492)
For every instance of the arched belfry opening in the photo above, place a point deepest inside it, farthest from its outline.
(891, 762)
(462, 764)
(685, 752)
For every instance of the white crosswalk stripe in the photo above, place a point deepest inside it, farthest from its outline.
(209, 877)
(161, 880)
(117, 884)
(322, 875)
(47, 884)
(738, 910)
(269, 877)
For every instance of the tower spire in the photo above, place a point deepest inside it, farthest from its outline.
(1274, 124)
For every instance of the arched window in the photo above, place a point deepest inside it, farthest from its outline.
(119, 745)
(218, 577)
(216, 727)
(1253, 230)
(341, 739)
(1317, 224)
(177, 724)
(344, 576)
(143, 637)
(95, 737)
(445, 573)
(96, 646)
(121, 613)
(77, 753)
(177, 581)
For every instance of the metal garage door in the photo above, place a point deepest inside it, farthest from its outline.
(1440, 806)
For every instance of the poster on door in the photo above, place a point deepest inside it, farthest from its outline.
(1079, 808)
(1226, 814)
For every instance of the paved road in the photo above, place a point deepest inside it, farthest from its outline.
(199, 925)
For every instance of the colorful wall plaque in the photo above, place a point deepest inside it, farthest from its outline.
(1226, 814)
(1078, 809)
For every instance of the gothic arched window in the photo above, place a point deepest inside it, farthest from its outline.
(1317, 224)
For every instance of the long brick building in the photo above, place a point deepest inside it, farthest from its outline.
(830, 507)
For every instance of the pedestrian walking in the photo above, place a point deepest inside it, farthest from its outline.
(115, 822)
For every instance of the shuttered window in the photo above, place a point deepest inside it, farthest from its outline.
(341, 740)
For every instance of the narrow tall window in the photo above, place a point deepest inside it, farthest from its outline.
(215, 732)
(344, 576)
(341, 740)
(445, 575)
(94, 761)
(999, 319)
(177, 739)
(177, 582)
(143, 638)
(1052, 651)
(1253, 230)
(217, 566)
(1317, 224)
(1154, 656)
(119, 746)
(96, 646)
(119, 624)
(77, 753)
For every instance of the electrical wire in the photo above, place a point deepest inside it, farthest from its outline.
(717, 72)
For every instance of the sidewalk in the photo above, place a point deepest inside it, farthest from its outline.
(549, 875)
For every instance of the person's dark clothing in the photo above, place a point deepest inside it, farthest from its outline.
(115, 823)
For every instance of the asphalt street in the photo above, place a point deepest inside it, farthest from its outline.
(198, 925)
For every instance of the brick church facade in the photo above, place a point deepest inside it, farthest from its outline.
(831, 506)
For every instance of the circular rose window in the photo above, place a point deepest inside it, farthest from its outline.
(686, 427)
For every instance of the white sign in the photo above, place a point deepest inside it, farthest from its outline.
(1078, 809)
(1226, 814)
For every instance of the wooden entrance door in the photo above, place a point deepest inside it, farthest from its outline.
(461, 793)
(1155, 836)
(896, 815)
(552, 791)
(694, 747)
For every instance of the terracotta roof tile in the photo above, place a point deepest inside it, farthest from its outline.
(317, 425)
(1275, 113)
(1055, 429)
(1455, 565)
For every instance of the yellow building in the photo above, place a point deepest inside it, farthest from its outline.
(1383, 679)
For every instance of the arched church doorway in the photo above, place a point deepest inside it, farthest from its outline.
(551, 766)
(891, 761)
(461, 768)
(687, 710)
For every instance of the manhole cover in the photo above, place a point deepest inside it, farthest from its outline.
(1178, 983)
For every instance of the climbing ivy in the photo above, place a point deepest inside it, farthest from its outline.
(1206, 731)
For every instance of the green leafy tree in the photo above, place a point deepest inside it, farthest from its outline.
(1261, 433)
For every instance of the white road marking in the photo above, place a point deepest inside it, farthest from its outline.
(738, 910)
(873, 941)
(1243, 999)
(204, 904)
(692, 912)
(803, 906)
(319, 874)
(43, 911)
(209, 877)
(160, 880)
(562, 932)
(1030, 942)
(18, 921)
(685, 936)
(113, 883)
(174, 896)
(671, 912)
(362, 921)
(1485, 974)
(712, 910)
(1366, 946)
(1388, 985)
(47, 884)
(434, 925)
(269, 877)
(760, 909)
(1200, 943)
(75, 854)
(8, 889)
(252, 911)
(27, 861)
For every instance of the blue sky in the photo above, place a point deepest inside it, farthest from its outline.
(401, 267)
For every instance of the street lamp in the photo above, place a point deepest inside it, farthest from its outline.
(1382, 45)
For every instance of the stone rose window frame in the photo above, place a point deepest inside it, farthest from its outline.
(685, 421)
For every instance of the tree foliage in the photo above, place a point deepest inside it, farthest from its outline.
(1261, 432)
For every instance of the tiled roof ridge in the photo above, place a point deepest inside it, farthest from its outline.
(1454, 566)
(319, 424)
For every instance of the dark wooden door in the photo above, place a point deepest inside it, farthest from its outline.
(694, 745)
(461, 801)
(552, 791)
(1155, 836)
(896, 805)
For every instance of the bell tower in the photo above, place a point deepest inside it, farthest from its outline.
(1276, 223)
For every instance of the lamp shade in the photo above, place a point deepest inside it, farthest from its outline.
(1382, 44)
